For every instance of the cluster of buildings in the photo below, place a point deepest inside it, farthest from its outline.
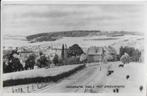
(94, 53)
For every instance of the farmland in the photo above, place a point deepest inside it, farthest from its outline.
(99, 38)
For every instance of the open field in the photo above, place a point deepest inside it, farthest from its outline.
(85, 42)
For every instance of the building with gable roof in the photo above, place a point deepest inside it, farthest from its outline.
(95, 54)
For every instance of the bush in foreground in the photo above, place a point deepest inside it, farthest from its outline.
(125, 58)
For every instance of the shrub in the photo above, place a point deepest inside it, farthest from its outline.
(42, 61)
(125, 58)
(60, 62)
(108, 57)
(55, 60)
(72, 60)
(30, 62)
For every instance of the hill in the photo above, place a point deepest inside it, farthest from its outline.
(53, 36)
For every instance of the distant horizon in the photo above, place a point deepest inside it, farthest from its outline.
(72, 30)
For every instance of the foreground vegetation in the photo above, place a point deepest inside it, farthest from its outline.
(53, 76)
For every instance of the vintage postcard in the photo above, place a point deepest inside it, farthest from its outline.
(90, 47)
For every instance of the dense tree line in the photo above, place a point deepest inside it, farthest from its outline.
(12, 62)
(134, 54)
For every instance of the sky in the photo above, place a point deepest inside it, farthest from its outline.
(33, 19)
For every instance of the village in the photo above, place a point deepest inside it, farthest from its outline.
(51, 62)
(63, 55)
(25, 59)
(83, 48)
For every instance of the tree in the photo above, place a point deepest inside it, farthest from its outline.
(125, 58)
(63, 58)
(132, 52)
(121, 51)
(74, 50)
(113, 53)
(136, 55)
(55, 59)
(83, 58)
(42, 61)
(62, 53)
(30, 62)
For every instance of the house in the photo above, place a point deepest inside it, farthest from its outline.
(95, 54)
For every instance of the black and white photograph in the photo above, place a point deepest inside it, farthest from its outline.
(73, 48)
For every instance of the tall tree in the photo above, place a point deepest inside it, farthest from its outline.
(121, 51)
(62, 52)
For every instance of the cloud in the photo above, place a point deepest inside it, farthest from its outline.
(24, 19)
